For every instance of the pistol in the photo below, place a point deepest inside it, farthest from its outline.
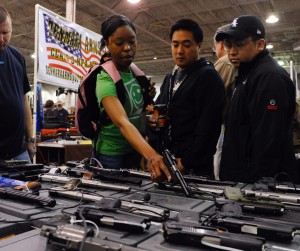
(176, 175)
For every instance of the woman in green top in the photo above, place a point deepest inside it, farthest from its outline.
(120, 141)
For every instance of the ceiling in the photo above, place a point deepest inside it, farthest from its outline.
(153, 19)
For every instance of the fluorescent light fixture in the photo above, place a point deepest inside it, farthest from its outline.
(133, 1)
(272, 19)
(269, 46)
(280, 62)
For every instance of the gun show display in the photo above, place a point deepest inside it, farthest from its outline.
(84, 206)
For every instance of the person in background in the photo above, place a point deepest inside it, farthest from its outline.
(120, 141)
(258, 130)
(60, 112)
(194, 96)
(49, 106)
(227, 72)
(16, 138)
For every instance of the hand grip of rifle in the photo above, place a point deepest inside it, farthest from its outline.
(176, 175)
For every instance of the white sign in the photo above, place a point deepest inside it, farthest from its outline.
(65, 50)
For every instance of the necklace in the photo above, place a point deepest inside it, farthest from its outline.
(178, 79)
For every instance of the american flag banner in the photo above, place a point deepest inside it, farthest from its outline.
(66, 50)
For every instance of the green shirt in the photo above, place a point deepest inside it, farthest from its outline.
(111, 141)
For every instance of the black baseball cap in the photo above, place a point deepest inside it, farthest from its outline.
(242, 27)
(221, 29)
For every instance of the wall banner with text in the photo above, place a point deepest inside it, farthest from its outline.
(65, 50)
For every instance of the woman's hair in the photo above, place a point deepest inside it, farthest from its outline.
(189, 25)
(112, 23)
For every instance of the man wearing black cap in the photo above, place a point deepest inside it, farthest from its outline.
(258, 134)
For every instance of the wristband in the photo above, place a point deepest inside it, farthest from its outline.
(32, 140)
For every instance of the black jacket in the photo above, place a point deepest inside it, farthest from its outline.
(258, 135)
(195, 113)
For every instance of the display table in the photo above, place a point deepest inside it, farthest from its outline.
(62, 151)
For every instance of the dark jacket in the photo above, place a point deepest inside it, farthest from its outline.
(195, 113)
(258, 133)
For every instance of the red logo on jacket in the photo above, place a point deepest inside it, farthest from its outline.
(272, 105)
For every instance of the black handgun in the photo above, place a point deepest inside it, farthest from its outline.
(231, 218)
(115, 219)
(177, 177)
(242, 224)
(234, 195)
(259, 206)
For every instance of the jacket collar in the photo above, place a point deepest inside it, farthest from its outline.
(246, 66)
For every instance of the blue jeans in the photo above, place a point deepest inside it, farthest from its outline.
(127, 161)
(23, 156)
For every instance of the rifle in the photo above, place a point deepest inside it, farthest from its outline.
(176, 175)
(84, 182)
(196, 234)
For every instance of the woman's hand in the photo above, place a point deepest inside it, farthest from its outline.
(157, 168)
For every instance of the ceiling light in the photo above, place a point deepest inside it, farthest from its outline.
(280, 62)
(272, 19)
(133, 1)
(269, 46)
(33, 55)
(296, 46)
(155, 58)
